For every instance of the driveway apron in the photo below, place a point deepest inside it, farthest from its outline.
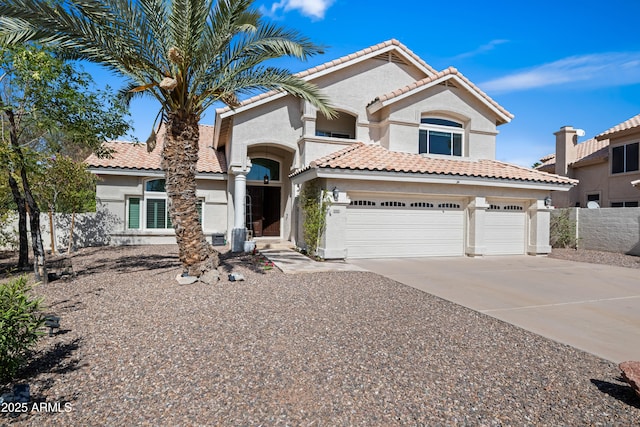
(593, 307)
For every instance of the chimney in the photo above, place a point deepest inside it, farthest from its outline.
(566, 151)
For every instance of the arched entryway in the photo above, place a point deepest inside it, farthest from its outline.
(264, 197)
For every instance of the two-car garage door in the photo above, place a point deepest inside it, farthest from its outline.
(397, 228)
(379, 228)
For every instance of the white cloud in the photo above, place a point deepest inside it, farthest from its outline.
(482, 49)
(596, 70)
(311, 8)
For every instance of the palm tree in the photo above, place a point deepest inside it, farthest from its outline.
(188, 54)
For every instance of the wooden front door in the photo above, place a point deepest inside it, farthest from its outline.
(265, 211)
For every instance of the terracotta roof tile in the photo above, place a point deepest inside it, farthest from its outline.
(128, 155)
(451, 71)
(330, 64)
(360, 156)
(588, 151)
(632, 123)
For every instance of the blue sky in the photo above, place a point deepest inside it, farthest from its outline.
(550, 63)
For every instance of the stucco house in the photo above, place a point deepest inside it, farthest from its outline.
(607, 166)
(409, 164)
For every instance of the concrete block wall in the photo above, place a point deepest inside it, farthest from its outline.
(607, 229)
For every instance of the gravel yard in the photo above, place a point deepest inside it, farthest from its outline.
(347, 348)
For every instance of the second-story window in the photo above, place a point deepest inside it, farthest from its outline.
(624, 158)
(440, 136)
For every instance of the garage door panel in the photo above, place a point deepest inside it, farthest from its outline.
(505, 230)
(404, 232)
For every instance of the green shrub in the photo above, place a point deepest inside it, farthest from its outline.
(20, 323)
(563, 230)
(314, 203)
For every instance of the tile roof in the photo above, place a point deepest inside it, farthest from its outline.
(128, 155)
(632, 123)
(308, 74)
(589, 151)
(369, 157)
(451, 71)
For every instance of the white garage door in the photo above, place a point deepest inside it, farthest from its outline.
(505, 229)
(396, 228)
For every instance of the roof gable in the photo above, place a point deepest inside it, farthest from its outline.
(391, 50)
(450, 74)
(128, 155)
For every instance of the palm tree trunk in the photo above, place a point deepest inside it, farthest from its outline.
(179, 158)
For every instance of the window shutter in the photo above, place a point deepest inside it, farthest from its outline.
(134, 213)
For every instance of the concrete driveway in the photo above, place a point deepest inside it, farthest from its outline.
(595, 308)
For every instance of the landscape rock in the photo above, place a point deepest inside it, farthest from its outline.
(631, 374)
(210, 277)
(186, 280)
(235, 277)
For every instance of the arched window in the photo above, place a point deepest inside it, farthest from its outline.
(441, 136)
(261, 167)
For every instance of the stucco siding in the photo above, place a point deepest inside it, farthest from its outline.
(360, 84)
(276, 122)
(480, 130)
(113, 191)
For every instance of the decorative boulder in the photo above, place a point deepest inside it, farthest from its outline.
(186, 280)
(210, 277)
(631, 374)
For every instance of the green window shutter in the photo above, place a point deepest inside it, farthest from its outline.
(134, 213)
(156, 213)
(169, 223)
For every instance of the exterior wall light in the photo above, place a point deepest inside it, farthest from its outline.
(547, 201)
(336, 194)
(265, 179)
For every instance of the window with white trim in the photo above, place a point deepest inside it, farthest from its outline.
(440, 136)
(625, 158)
(151, 212)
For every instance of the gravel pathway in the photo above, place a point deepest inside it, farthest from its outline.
(597, 257)
(321, 349)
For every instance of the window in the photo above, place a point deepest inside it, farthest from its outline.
(261, 167)
(152, 210)
(133, 218)
(624, 204)
(624, 158)
(333, 134)
(440, 136)
(393, 204)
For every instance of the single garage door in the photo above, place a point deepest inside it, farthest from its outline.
(397, 228)
(505, 229)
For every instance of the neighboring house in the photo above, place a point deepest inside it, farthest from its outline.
(606, 166)
(409, 164)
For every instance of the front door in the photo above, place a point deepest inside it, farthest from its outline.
(264, 205)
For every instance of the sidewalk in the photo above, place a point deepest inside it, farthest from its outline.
(292, 262)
